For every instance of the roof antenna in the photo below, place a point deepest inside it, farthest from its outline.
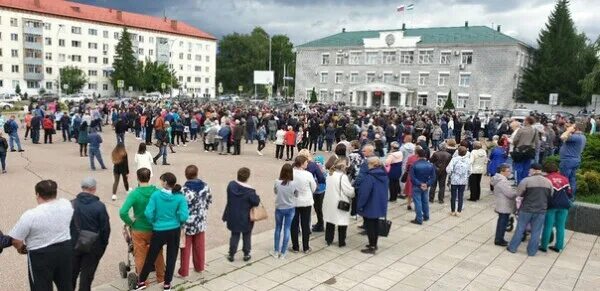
(165, 15)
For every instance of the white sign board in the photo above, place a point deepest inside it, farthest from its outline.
(553, 99)
(263, 77)
(120, 83)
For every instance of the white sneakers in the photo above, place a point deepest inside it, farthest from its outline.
(114, 197)
(259, 153)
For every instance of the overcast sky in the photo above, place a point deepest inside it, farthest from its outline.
(306, 20)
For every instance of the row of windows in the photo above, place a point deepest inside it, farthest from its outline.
(464, 79)
(423, 56)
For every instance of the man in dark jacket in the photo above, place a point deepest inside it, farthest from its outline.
(238, 132)
(316, 172)
(65, 122)
(90, 215)
(120, 129)
(422, 175)
(241, 197)
(440, 161)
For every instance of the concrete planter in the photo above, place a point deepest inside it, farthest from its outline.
(584, 217)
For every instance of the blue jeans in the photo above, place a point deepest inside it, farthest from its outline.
(250, 134)
(421, 200)
(569, 171)
(436, 144)
(283, 219)
(120, 138)
(537, 223)
(3, 160)
(501, 227)
(457, 192)
(162, 151)
(14, 138)
(521, 170)
(96, 153)
(143, 133)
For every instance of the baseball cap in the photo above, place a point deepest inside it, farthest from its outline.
(88, 183)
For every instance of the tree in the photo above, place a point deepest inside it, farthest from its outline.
(18, 90)
(313, 96)
(591, 83)
(153, 74)
(73, 77)
(41, 91)
(125, 64)
(449, 105)
(563, 58)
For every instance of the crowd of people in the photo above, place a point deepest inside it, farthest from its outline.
(348, 163)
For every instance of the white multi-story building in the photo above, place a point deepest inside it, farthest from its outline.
(38, 37)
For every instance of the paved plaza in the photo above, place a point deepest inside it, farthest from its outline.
(446, 253)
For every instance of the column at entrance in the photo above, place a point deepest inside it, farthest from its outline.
(354, 98)
(386, 99)
(403, 99)
(369, 98)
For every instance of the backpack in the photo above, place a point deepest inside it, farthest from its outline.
(7, 128)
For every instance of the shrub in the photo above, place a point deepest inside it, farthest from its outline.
(588, 184)
(590, 158)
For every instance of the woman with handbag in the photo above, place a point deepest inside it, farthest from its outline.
(120, 168)
(336, 203)
(372, 201)
(286, 191)
(241, 198)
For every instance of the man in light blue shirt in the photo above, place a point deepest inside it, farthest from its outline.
(570, 153)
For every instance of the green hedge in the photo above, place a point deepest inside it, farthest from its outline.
(588, 176)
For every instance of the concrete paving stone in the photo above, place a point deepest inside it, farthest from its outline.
(260, 283)
(357, 275)
(414, 260)
(317, 275)
(105, 288)
(454, 281)
(468, 269)
(340, 283)
(240, 276)
(332, 268)
(442, 263)
(260, 268)
(296, 268)
(525, 279)
(197, 288)
(422, 278)
(562, 276)
(480, 286)
(324, 287)
(403, 268)
(219, 283)
(404, 287)
(491, 280)
(549, 286)
(363, 287)
(570, 263)
(348, 261)
(301, 283)
(240, 288)
(365, 266)
(380, 260)
(516, 286)
(498, 271)
(221, 267)
(585, 285)
(379, 282)
(591, 275)
(584, 236)
(281, 288)
(279, 275)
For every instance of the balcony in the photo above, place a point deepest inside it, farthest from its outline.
(33, 45)
(33, 76)
(33, 61)
(30, 28)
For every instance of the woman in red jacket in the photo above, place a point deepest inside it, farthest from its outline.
(290, 143)
(48, 126)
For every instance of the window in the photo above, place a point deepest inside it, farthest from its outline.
(49, 70)
(105, 34)
(206, 80)
(423, 79)
(33, 84)
(61, 42)
(466, 58)
(47, 26)
(48, 56)
(75, 29)
(404, 78)
(389, 58)
(198, 68)
(355, 58)
(32, 38)
(189, 79)
(463, 100)
(197, 79)
(441, 100)
(15, 83)
(464, 80)
(33, 69)
(324, 76)
(14, 22)
(76, 58)
(181, 56)
(1, 83)
(141, 38)
(75, 43)
(61, 57)
(445, 58)
(105, 61)
(389, 78)
(207, 59)
(353, 78)
(323, 95)
(338, 78)
(206, 69)
(92, 73)
(425, 56)
(337, 95)
(47, 41)
(105, 87)
(151, 39)
(116, 35)
(372, 58)
(150, 52)
(189, 57)
(14, 68)
(92, 31)
(93, 60)
(105, 74)
(325, 59)
(485, 102)
(14, 36)
(370, 77)
(406, 57)
(14, 53)
(140, 51)
(198, 58)
(181, 44)
(49, 85)
(443, 79)
(93, 86)
(0, 52)
(339, 59)
(422, 99)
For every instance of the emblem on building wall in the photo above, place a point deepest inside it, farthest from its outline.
(390, 39)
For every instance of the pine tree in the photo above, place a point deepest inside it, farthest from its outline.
(313, 96)
(18, 90)
(449, 105)
(125, 64)
(560, 62)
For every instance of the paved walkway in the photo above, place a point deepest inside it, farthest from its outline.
(446, 253)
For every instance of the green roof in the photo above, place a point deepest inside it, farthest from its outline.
(434, 35)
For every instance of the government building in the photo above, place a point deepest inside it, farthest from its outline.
(413, 68)
(38, 37)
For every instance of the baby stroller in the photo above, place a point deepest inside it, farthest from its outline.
(125, 267)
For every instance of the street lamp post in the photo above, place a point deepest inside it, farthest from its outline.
(285, 77)
(60, 27)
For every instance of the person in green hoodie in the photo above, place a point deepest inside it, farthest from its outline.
(141, 229)
(167, 210)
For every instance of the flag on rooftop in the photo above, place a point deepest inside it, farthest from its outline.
(400, 8)
(410, 7)
(403, 8)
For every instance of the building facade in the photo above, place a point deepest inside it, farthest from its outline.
(413, 68)
(38, 37)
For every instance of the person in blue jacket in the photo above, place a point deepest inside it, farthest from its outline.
(167, 211)
(422, 175)
(373, 200)
(241, 197)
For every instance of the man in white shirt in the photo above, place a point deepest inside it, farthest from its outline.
(43, 234)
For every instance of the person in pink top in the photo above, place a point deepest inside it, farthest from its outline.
(393, 166)
(408, 184)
